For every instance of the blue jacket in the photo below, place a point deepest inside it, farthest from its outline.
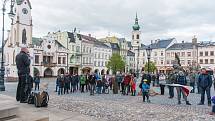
(205, 80)
(181, 80)
(145, 87)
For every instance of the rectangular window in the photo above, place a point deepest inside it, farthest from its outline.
(99, 55)
(178, 53)
(201, 61)
(211, 61)
(59, 60)
(182, 62)
(87, 60)
(94, 63)
(212, 53)
(143, 53)
(189, 54)
(168, 54)
(99, 63)
(188, 62)
(206, 53)
(206, 61)
(161, 53)
(172, 54)
(161, 62)
(37, 59)
(183, 54)
(167, 62)
(64, 60)
(200, 53)
(172, 61)
(155, 53)
(78, 49)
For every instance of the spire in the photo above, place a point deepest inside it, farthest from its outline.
(136, 25)
(136, 20)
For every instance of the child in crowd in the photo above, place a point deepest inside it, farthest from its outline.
(213, 107)
(145, 90)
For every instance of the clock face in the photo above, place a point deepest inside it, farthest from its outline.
(25, 11)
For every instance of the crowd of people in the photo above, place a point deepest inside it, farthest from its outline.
(96, 83)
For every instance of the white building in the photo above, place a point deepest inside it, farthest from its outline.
(206, 56)
(130, 62)
(102, 54)
(19, 35)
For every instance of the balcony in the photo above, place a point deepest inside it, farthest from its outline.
(47, 64)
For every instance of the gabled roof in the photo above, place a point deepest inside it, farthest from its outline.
(37, 41)
(88, 38)
(59, 44)
(100, 44)
(181, 46)
(114, 46)
(19, 2)
(130, 53)
(161, 43)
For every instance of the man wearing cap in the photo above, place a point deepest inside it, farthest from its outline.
(23, 66)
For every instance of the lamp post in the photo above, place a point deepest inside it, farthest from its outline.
(148, 51)
(11, 15)
(138, 55)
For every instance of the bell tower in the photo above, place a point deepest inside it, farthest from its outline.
(21, 27)
(136, 34)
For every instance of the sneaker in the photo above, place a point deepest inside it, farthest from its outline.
(188, 103)
(201, 104)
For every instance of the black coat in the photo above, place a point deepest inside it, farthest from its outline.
(23, 63)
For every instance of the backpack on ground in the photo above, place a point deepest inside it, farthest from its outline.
(41, 99)
(31, 98)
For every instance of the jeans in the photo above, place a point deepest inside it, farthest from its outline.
(171, 91)
(60, 91)
(179, 91)
(73, 88)
(119, 83)
(37, 86)
(99, 89)
(145, 95)
(192, 85)
(92, 89)
(208, 92)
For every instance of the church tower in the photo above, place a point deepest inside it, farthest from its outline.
(136, 34)
(21, 27)
(19, 36)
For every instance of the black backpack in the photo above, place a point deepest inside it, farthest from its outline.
(31, 98)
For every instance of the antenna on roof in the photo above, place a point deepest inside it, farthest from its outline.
(74, 30)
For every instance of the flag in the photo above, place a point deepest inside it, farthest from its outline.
(186, 89)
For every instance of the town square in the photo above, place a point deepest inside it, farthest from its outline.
(98, 61)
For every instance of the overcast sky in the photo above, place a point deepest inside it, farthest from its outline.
(158, 19)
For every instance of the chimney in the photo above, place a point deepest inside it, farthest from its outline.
(194, 40)
(151, 41)
(89, 35)
(183, 42)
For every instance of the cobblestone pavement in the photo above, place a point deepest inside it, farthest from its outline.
(109, 107)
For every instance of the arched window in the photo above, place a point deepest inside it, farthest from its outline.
(72, 59)
(138, 36)
(24, 38)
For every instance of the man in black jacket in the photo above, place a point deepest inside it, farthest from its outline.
(92, 82)
(205, 83)
(23, 66)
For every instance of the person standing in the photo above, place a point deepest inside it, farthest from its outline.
(170, 80)
(37, 81)
(57, 84)
(145, 90)
(61, 84)
(119, 79)
(92, 82)
(82, 82)
(126, 82)
(205, 83)
(66, 84)
(73, 83)
(192, 81)
(181, 79)
(23, 65)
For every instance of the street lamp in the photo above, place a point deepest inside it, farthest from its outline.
(148, 51)
(11, 15)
